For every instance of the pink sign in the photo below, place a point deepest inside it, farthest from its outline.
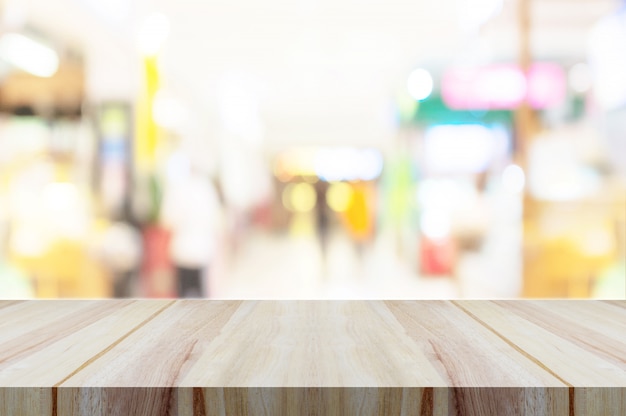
(503, 87)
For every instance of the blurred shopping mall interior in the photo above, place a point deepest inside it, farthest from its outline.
(313, 149)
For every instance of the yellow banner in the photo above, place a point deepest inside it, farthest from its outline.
(147, 132)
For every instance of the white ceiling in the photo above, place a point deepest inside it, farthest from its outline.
(320, 70)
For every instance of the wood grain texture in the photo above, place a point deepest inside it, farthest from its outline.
(196, 357)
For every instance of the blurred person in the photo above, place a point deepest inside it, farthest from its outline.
(360, 217)
(468, 228)
(120, 250)
(190, 210)
(470, 222)
(322, 220)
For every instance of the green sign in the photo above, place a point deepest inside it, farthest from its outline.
(434, 111)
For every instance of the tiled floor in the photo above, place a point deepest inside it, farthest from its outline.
(280, 267)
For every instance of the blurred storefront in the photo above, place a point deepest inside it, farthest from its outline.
(48, 157)
(148, 140)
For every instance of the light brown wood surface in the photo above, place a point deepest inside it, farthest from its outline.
(198, 357)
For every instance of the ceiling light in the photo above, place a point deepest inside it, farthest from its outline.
(152, 34)
(29, 55)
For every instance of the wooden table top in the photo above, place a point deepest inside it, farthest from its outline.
(201, 343)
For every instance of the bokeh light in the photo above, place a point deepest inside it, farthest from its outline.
(299, 197)
(420, 84)
(338, 196)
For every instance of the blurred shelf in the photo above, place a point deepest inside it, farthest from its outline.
(184, 357)
(66, 89)
(569, 244)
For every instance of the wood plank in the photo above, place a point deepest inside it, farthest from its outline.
(467, 354)
(606, 401)
(116, 401)
(26, 402)
(316, 401)
(598, 316)
(319, 344)
(595, 329)
(8, 303)
(617, 303)
(168, 345)
(22, 318)
(549, 350)
(63, 357)
(268, 401)
(184, 357)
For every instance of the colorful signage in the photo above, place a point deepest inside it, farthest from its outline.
(503, 87)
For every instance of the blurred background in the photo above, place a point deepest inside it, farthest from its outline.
(313, 149)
